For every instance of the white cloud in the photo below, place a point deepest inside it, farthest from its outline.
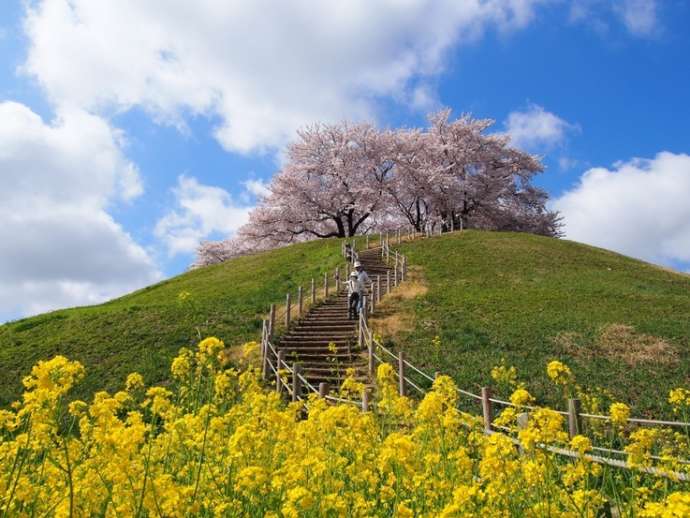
(639, 17)
(536, 128)
(263, 68)
(566, 163)
(60, 246)
(257, 188)
(639, 208)
(201, 210)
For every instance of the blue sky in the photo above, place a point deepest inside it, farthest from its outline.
(129, 132)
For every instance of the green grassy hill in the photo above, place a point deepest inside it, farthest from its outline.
(619, 323)
(144, 330)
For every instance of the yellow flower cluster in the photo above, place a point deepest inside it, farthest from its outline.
(620, 413)
(559, 373)
(216, 442)
(680, 399)
(504, 375)
(521, 397)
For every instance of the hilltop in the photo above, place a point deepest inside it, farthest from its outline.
(619, 323)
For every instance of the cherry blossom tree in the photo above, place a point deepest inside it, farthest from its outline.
(474, 176)
(331, 185)
(344, 179)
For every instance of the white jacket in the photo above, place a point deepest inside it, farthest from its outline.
(354, 286)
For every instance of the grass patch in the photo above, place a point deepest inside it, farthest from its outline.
(520, 298)
(620, 342)
(144, 330)
(393, 317)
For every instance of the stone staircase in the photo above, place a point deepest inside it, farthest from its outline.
(307, 341)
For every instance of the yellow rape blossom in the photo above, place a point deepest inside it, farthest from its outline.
(218, 442)
(521, 397)
(620, 413)
(559, 373)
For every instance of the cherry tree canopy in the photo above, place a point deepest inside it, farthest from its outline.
(346, 179)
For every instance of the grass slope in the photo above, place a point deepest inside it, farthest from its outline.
(144, 330)
(619, 323)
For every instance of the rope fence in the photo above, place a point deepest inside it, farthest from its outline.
(377, 353)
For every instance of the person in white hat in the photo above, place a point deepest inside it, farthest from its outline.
(354, 290)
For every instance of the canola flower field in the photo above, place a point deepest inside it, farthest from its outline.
(216, 442)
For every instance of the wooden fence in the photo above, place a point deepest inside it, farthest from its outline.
(289, 379)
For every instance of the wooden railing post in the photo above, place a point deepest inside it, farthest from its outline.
(388, 282)
(272, 321)
(279, 362)
(404, 268)
(313, 291)
(372, 298)
(323, 389)
(399, 237)
(378, 288)
(325, 285)
(367, 241)
(300, 302)
(522, 423)
(401, 373)
(264, 348)
(264, 366)
(296, 385)
(574, 419)
(337, 279)
(487, 411)
(365, 308)
(395, 275)
(365, 400)
(370, 359)
(287, 311)
(264, 332)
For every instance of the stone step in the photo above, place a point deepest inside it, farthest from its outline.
(309, 330)
(332, 368)
(340, 317)
(334, 381)
(327, 356)
(316, 339)
(327, 323)
(323, 371)
(315, 342)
